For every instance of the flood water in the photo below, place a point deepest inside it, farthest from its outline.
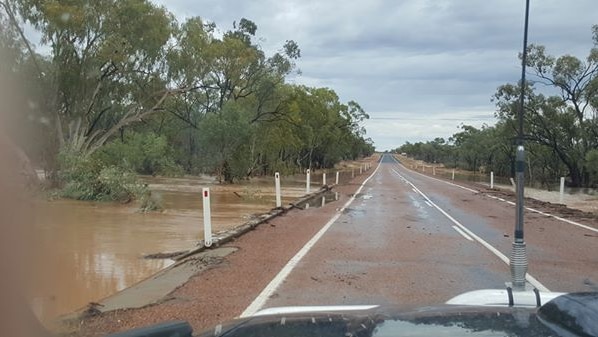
(91, 250)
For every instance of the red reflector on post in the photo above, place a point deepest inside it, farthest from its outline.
(205, 194)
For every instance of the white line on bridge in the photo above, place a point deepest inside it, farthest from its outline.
(495, 251)
(263, 297)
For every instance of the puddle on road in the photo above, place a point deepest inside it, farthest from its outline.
(419, 206)
(89, 250)
(328, 196)
(354, 212)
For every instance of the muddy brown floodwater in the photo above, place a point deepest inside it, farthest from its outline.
(89, 250)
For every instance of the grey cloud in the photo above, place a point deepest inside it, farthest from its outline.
(409, 58)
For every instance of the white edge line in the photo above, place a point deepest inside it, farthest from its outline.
(495, 251)
(440, 180)
(261, 299)
(507, 201)
(571, 222)
(565, 220)
(462, 233)
(429, 204)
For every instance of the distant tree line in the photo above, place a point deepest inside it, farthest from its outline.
(121, 87)
(560, 130)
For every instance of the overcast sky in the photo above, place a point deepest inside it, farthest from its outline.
(420, 68)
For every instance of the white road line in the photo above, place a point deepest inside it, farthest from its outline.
(571, 222)
(440, 180)
(462, 233)
(564, 220)
(269, 290)
(507, 201)
(429, 204)
(495, 251)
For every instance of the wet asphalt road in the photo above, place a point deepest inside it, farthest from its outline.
(394, 245)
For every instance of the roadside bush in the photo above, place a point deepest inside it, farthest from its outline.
(85, 178)
(144, 153)
(150, 201)
(118, 184)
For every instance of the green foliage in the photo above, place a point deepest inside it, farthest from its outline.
(117, 184)
(560, 131)
(224, 137)
(129, 89)
(85, 178)
(591, 164)
(565, 125)
(150, 202)
(144, 153)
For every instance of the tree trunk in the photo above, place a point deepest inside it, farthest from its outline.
(576, 176)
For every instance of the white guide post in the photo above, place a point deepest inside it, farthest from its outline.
(434, 170)
(277, 187)
(562, 190)
(336, 180)
(453, 174)
(323, 179)
(360, 169)
(308, 182)
(207, 218)
(492, 180)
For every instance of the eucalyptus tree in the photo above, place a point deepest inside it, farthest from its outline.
(164, 94)
(106, 65)
(566, 123)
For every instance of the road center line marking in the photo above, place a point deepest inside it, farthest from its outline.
(462, 233)
(495, 251)
(571, 222)
(269, 290)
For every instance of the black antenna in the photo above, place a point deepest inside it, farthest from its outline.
(519, 262)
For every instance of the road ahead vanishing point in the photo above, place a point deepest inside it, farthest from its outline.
(412, 240)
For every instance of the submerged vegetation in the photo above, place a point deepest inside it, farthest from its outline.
(120, 87)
